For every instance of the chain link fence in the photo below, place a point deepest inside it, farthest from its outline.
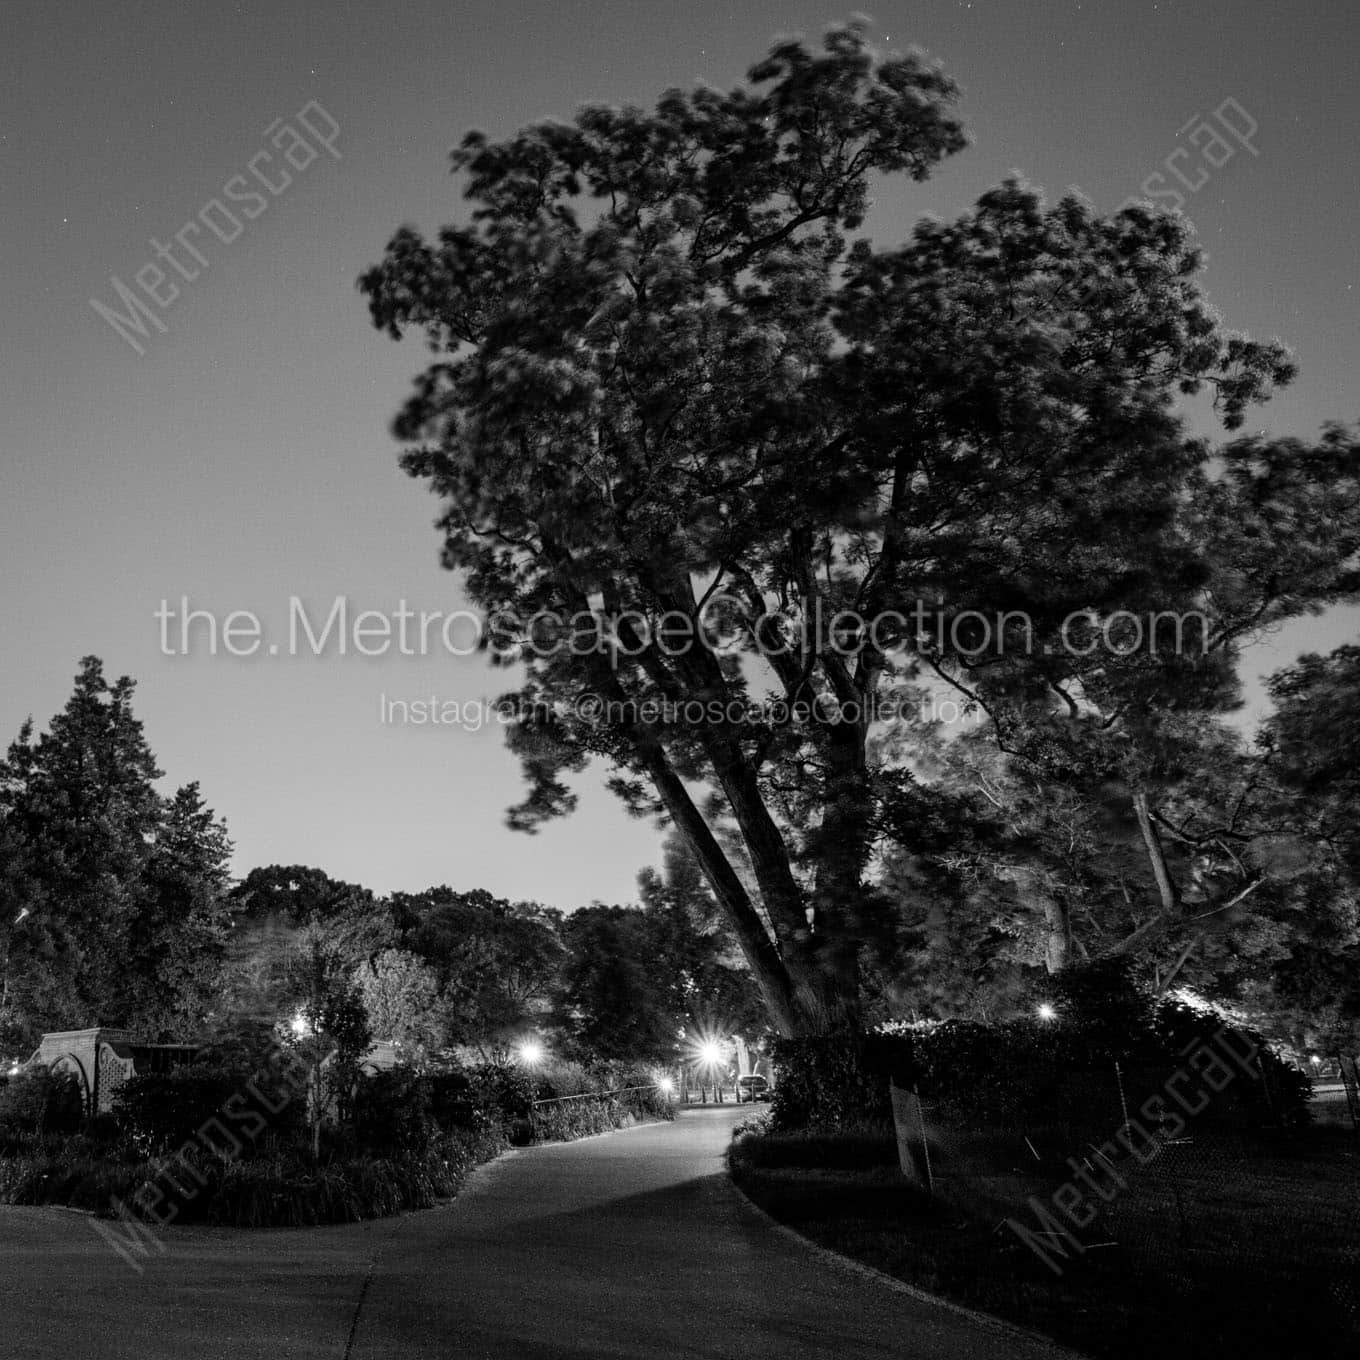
(1139, 1168)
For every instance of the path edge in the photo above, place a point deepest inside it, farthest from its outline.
(1011, 1331)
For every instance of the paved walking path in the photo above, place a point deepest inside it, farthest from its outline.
(631, 1245)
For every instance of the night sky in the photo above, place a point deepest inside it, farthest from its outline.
(244, 457)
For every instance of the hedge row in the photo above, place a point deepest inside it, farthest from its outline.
(1103, 1040)
(224, 1142)
(282, 1189)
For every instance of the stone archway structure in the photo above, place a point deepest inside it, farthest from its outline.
(103, 1059)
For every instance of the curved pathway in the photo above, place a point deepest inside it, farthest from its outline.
(629, 1245)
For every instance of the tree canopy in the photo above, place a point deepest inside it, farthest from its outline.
(114, 896)
(732, 488)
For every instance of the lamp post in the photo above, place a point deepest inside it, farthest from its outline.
(711, 1055)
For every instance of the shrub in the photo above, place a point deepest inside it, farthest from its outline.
(825, 1082)
(1031, 1072)
(457, 1104)
(570, 1079)
(283, 1188)
(756, 1126)
(393, 1112)
(1278, 1095)
(286, 1190)
(1035, 1073)
(597, 1112)
(39, 1101)
(504, 1092)
(162, 1110)
(870, 1146)
(54, 1176)
(485, 1098)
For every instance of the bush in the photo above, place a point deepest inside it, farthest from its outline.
(55, 1176)
(163, 1109)
(40, 1101)
(456, 1103)
(1063, 1071)
(755, 1126)
(233, 1099)
(282, 1189)
(287, 1191)
(597, 1112)
(506, 1094)
(826, 1083)
(1036, 1073)
(393, 1112)
(842, 1150)
(571, 1079)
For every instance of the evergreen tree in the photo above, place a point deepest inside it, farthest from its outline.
(178, 937)
(117, 895)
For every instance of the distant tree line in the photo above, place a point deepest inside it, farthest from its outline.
(117, 908)
(446, 970)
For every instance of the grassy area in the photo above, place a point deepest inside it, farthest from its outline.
(1251, 1276)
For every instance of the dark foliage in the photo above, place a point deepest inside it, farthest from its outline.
(394, 1112)
(235, 1107)
(40, 1101)
(825, 1083)
(1106, 1042)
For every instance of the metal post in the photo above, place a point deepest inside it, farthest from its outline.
(1350, 1081)
(1123, 1102)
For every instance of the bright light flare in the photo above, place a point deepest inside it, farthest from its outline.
(300, 1025)
(666, 1086)
(1046, 1012)
(531, 1052)
(710, 1053)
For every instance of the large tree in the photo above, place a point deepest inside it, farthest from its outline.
(114, 896)
(698, 972)
(1314, 737)
(672, 400)
(495, 963)
(615, 987)
(177, 940)
(1313, 742)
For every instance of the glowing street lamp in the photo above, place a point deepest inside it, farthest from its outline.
(1045, 1012)
(710, 1055)
(531, 1052)
(666, 1086)
(301, 1026)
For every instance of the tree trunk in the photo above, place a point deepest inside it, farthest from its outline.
(771, 973)
(839, 897)
(1058, 935)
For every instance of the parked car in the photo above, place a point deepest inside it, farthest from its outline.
(752, 1088)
